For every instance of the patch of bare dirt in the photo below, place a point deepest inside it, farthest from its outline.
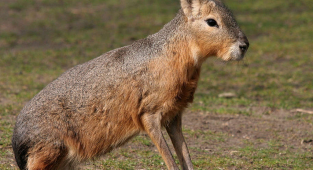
(279, 125)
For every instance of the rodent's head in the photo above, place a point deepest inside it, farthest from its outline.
(214, 29)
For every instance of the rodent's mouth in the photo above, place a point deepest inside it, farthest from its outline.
(233, 58)
(234, 53)
(237, 57)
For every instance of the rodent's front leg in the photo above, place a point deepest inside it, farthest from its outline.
(152, 125)
(174, 129)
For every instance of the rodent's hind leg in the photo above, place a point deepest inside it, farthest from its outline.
(49, 157)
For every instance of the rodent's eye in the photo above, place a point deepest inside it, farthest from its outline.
(211, 23)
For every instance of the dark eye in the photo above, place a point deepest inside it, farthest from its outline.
(212, 23)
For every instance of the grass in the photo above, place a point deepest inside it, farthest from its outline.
(40, 39)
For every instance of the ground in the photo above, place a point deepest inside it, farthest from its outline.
(257, 127)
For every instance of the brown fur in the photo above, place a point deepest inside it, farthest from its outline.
(100, 105)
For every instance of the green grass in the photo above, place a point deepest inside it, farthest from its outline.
(40, 39)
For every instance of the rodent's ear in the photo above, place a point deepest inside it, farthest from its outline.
(191, 8)
(212, 4)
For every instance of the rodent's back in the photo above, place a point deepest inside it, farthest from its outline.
(76, 90)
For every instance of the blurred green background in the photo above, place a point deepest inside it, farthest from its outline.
(40, 39)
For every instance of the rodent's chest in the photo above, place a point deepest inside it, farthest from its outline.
(178, 101)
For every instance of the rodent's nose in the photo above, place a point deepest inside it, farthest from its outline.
(244, 45)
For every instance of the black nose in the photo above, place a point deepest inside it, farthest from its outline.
(244, 45)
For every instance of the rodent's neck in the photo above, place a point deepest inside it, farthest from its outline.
(175, 38)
